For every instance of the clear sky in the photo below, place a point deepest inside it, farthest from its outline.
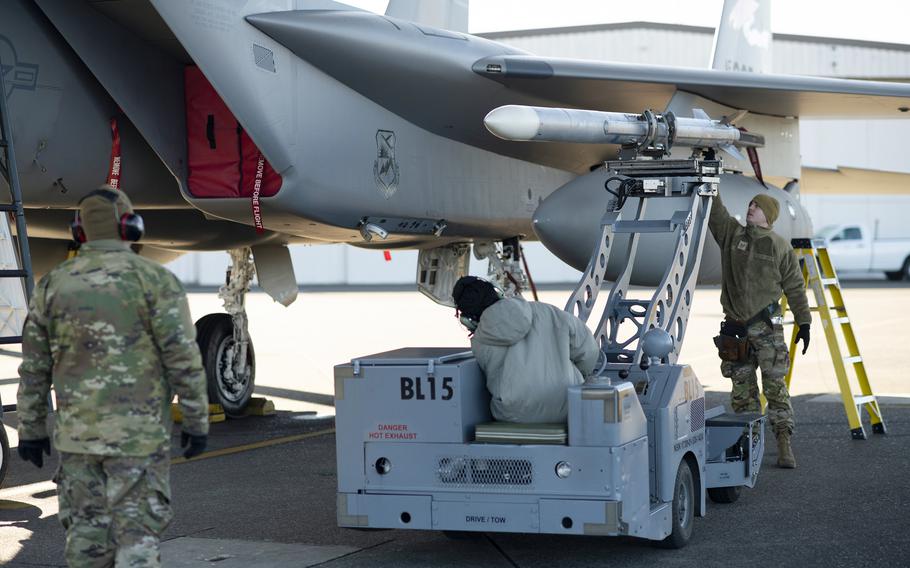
(873, 20)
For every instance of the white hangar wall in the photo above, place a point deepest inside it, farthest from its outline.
(825, 144)
(690, 46)
(343, 265)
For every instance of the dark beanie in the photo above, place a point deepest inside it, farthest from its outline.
(768, 205)
(473, 295)
(100, 212)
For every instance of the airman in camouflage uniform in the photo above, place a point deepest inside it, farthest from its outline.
(758, 265)
(112, 332)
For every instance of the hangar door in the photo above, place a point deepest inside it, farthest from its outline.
(223, 160)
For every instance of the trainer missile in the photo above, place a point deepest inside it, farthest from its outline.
(646, 130)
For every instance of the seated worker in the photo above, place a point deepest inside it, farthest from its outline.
(530, 351)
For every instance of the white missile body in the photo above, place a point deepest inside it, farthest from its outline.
(543, 124)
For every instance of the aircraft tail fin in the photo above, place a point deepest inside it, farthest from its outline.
(742, 41)
(446, 14)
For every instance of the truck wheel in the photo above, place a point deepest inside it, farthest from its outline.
(4, 454)
(894, 276)
(683, 508)
(724, 494)
(215, 336)
(905, 270)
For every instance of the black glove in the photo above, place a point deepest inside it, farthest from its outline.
(803, 334)
(30, 450)
(196, 444)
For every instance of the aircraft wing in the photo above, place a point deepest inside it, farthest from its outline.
(584, 84)
(446, 82)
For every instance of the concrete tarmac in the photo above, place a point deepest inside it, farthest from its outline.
(264, 495)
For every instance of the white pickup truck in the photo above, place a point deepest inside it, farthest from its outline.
(853, 249)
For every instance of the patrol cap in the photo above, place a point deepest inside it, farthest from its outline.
(769, 206)
(100, 215)
(473, 295)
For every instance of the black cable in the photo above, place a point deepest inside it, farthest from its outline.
(622, 191)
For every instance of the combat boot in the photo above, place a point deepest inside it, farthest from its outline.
(785, 457)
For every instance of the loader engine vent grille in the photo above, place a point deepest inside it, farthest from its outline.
(697, 414)
(483, 472)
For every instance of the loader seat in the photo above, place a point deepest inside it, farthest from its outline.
(514, 433)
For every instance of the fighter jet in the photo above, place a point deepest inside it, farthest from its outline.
(252, 125)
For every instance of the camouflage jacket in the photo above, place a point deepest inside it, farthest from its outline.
(758, 265)
(113, 332)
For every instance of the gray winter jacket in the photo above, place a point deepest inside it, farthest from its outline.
(531, 353)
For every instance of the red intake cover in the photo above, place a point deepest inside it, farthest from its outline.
(222, 157)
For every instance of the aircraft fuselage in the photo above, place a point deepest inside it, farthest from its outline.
(342, 123)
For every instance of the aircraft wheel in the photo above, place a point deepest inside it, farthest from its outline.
(683, 508)
(724, 494)
(4, 454)
(215, 336)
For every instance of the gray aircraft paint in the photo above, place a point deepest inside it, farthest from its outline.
(144, 97)
(478, 193)
(313, 87)
(568, 223)
(780, 154)
(743, 40)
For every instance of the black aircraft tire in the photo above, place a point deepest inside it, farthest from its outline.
(724, 494)
(215, 333)
(683, 511)
(4, 454)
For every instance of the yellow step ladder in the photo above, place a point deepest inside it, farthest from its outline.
(820, 277)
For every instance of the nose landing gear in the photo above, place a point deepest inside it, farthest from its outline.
(224, 340)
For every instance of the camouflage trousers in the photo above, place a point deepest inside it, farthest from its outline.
(113, 509)
(767, 350)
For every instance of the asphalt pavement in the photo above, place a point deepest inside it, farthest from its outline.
(264, 495)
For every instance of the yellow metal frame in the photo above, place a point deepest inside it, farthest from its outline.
(819, 276)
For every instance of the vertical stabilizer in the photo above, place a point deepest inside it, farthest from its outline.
(445, 14)
(742, 41)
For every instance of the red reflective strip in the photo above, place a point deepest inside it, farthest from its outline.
(114, 168)
(388, 255)
(756, 166)
(753, 159)
(254, 198)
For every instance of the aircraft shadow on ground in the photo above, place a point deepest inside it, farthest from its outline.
(303, 396)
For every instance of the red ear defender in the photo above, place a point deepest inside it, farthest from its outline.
(77, 230)
(132, 227)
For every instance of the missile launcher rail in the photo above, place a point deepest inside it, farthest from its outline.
(693, 167)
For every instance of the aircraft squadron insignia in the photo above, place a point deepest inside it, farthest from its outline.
(385, 167)
(16, 74)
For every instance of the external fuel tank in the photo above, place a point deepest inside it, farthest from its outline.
(567, 222)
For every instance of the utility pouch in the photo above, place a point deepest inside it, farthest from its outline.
(733, 342)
